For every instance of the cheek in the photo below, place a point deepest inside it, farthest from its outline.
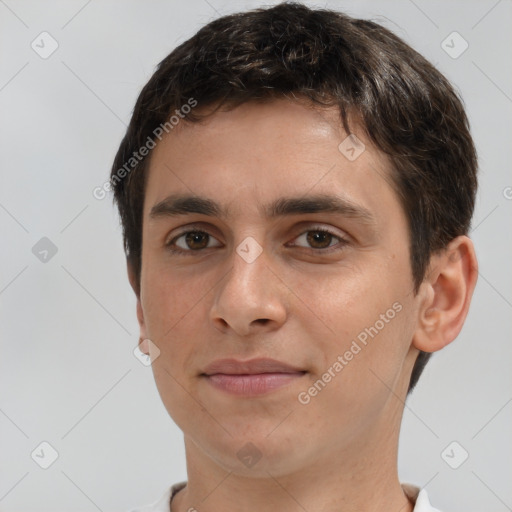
(360, 374)
(374, 355)
(367, 319)
(351, 299)
(171, 308)
(167, 296)
(171, 304)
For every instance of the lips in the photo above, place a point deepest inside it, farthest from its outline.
(251, 367)
(250, 378)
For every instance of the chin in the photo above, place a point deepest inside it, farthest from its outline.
(257, 454)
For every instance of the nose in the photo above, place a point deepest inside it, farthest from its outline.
(250, 299)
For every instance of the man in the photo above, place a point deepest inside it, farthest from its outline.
(295, 189)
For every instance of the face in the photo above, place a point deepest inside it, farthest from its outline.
(280, 299)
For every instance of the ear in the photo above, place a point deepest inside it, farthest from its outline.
(134, 282)
(446, 295)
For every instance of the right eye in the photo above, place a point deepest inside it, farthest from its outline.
(192, 241)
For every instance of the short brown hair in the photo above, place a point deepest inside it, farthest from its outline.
(407, 108)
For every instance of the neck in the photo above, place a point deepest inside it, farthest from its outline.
(360, 478)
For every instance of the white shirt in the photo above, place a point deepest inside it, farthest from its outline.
(163, 504)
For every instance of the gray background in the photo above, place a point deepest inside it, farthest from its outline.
(68, 375)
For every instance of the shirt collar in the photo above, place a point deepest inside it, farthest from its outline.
(419, 496)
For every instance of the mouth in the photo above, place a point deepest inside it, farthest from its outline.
(250, 378)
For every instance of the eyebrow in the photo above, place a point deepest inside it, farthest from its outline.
(179, 204)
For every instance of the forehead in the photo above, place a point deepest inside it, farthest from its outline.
(256, 153)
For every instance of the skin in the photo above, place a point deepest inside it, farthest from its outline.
(295, 303)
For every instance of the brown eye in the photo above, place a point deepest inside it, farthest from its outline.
(319, 239)
(196, 240)
(192, 241)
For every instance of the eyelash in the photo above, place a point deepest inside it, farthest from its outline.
(342, 242)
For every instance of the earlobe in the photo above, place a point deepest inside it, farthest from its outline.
(143, 338)
(144, 345)
(446, 295)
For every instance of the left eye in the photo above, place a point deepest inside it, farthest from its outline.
(319, 238)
